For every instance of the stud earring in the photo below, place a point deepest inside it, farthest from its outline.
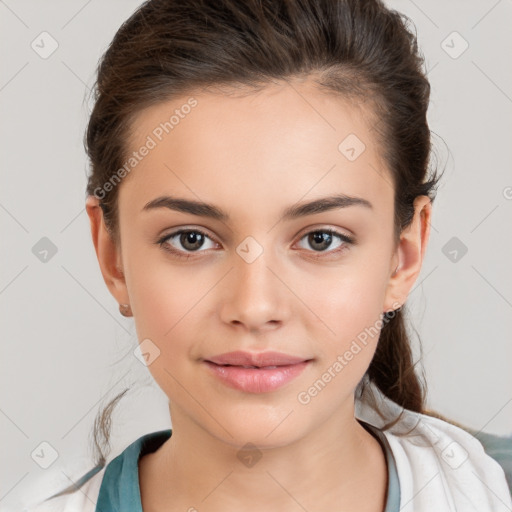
(125, 310)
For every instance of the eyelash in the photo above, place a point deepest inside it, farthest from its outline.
(348, 240)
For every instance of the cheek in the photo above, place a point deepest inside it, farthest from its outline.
(166, 309)
(353, 313)
(164, 298)
(348, 307)
(345, 299)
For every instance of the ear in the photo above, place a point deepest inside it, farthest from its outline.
(409, 254)
(107, 252)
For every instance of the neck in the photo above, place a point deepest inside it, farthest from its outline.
(338, 465)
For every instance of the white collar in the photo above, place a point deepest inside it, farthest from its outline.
(440, 466)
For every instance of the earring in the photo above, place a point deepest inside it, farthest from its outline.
(396, 270)
(125, 310)
(391, 310)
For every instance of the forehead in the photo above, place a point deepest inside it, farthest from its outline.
(275, 146)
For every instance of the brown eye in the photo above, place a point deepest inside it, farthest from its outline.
(191, 240)
(185, 241)
(320, 240)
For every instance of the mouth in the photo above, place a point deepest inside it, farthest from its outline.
(256, 360)
(252, 367)
(256, 373)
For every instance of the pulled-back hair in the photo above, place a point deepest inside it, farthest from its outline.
(352, 48)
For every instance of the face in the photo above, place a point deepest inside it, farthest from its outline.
(311, 284)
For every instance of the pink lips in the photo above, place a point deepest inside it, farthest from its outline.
(256, 372)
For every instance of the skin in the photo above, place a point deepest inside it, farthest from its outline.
(253, 156)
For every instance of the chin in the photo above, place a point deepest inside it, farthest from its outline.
(263, 427)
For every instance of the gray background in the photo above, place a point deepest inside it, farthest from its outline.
(65, 348)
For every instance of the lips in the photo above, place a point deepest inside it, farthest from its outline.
(256, 373)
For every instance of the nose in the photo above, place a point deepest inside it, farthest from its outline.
(254, 297)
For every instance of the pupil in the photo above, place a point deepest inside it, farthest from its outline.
(320, 237)
(191, 238)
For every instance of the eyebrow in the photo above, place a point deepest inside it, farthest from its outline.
(201, 209)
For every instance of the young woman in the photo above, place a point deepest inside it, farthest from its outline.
(260, 203)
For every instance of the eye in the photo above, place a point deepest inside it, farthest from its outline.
(322, 239)
(185, 241)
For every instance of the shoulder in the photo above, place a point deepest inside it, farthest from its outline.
(79, 490)
(499, 448)
(450, 462)
(78, 497)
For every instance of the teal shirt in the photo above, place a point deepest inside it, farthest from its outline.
(119, 489)
(120, 492)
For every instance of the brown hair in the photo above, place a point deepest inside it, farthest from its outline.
(353, 48)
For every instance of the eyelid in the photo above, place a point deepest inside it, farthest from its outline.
(326, 227)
